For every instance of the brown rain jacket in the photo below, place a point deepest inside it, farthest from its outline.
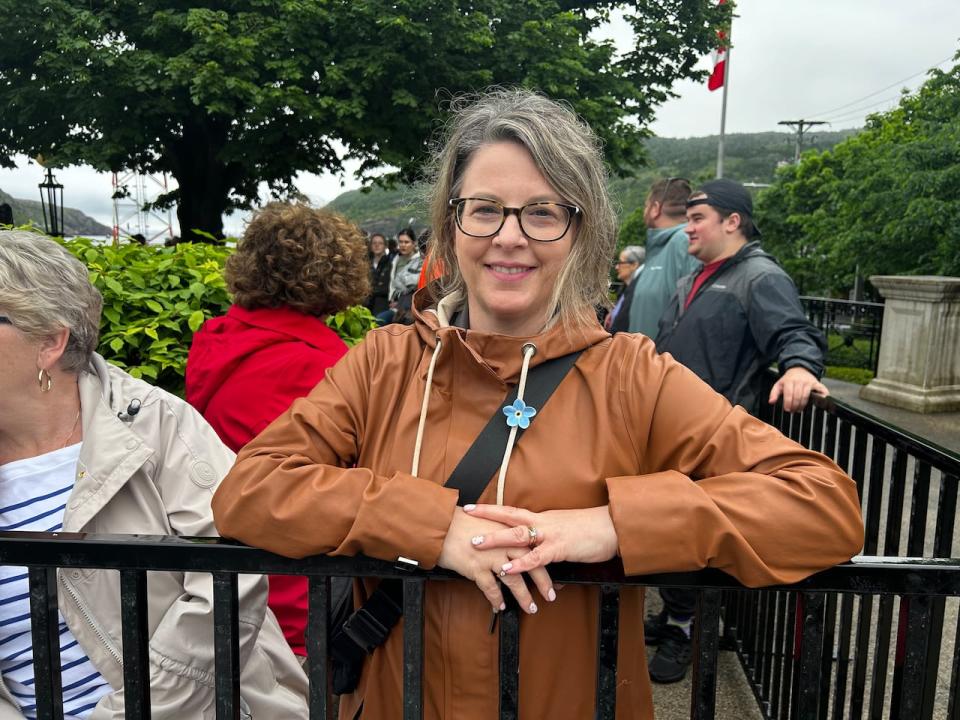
(690, 481)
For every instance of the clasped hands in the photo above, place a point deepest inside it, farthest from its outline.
(493, 545)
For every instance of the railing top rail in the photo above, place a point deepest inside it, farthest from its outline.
(927, 576)
(938, 456)
(838, 301)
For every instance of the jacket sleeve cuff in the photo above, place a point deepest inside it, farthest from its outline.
(406, 516)
(815, 370)
(652, 535)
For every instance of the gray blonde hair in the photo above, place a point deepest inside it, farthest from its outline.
(567, 153)
(43, 289)
(635, 253)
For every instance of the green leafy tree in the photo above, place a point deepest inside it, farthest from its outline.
(226, 96)
(886, 201)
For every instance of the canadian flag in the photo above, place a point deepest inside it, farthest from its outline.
(718, 76)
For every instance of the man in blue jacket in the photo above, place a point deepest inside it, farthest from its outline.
(667, 258)
(728, 322)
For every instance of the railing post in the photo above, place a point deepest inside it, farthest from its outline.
(316, 640)
(413, 597)
(45, 627)
(509, 620)
(608, 634)
(136, 644)
(806, 689)
(226, 645)
(706, 645)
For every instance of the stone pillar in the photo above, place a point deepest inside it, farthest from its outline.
(919, 366)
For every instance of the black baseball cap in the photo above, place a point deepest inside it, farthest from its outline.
(725, 194)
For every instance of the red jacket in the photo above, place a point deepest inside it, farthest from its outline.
(244, 369)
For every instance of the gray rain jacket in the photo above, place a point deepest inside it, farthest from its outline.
(745, 317)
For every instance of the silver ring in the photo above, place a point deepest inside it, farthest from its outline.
(534, 534)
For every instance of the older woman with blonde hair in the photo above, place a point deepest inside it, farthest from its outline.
(84, 447)
(630, 456)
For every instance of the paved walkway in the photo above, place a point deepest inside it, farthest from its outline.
(940, 428)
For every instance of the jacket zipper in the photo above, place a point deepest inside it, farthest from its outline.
(86, 616)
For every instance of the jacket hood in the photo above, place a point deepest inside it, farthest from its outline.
(503, 354)
(658, 237)
(224, 342)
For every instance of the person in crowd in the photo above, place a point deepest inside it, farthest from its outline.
(293, 266)
(629, 265)
(727, 323)
(667, 258)
(524, 227)
(6, 214)
(86, 448)
(404, 275)
(380, 267)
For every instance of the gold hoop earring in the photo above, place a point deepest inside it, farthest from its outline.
(44, 383)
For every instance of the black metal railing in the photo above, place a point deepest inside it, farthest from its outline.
(804, 683)
(852, 330)
(908, 490)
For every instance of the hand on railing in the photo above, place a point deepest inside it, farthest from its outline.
(795, 386)
(580, 536)
(485, 567)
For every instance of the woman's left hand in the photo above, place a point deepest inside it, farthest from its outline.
(583, 536)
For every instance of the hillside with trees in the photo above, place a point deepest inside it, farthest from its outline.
(75, 222)
(750, 157)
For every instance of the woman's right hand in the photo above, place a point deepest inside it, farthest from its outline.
(484, 567)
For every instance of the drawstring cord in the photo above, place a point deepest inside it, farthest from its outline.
(423, 409)
(528, 350)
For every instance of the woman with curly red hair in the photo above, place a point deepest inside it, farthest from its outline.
(293, 267)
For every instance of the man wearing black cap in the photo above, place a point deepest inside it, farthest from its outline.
(728, 322)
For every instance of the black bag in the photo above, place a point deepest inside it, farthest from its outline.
(354, 635)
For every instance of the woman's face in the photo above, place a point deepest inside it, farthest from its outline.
(509, 278)
(377, 245)
(18, 358)
(404, 245)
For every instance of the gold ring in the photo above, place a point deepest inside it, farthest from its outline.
(534, 534)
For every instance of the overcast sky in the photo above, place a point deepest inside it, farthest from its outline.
(835, 60)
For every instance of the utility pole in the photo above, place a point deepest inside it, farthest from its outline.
(801, 126)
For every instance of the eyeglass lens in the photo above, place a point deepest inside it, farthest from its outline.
(542, 221)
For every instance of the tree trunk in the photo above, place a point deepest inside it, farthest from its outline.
(200, 172)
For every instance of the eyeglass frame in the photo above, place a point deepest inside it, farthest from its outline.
(575, 211)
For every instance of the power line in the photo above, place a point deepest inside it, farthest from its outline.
(863, 110)
(884, 89)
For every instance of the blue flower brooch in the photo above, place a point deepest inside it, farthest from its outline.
(519, 414)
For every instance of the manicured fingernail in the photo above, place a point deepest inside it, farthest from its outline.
(506, 567)
(476, 539)
(503, 606)
(470, 507)
(551, 595)
(533, 608)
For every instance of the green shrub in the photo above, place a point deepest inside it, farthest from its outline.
(155, 298)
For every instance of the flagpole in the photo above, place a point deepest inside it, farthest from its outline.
(723, 107)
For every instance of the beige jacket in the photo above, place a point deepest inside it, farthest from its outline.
(155, 475)
(690, 482)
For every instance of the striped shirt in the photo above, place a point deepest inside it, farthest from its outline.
(33, 496)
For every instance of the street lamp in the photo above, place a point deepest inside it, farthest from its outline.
(51, 199)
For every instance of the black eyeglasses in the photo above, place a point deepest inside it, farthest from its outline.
(540, 221)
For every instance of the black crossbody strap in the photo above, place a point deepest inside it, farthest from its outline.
(474, 472)
(368, 627)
